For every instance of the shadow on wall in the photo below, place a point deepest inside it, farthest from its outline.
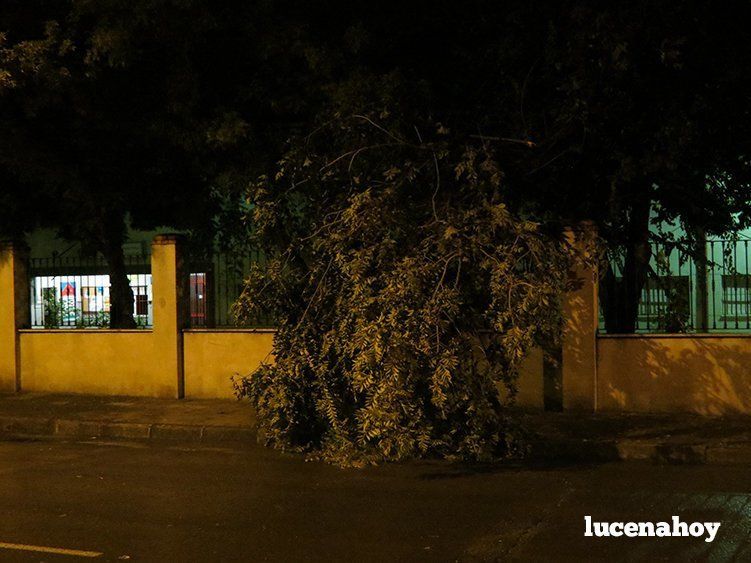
(709, 375)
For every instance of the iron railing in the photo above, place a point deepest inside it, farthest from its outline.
(74, 291)
(216, 283)
(686, 291)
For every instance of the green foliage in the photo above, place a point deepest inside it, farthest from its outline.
(54, 311)
(100, 319)
(60, 313)
(408, 294)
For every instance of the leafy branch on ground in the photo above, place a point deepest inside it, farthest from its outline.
(408, 294)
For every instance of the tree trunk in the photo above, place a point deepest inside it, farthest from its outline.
(121, 294)
(699, 255)
(621, 296)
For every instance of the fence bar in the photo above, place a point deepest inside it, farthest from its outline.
(745, 279)
(714, 268)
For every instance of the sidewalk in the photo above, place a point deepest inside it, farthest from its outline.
(659, 438)
(555, 437)
(79, 416)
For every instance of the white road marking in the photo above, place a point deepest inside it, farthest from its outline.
(55, 550)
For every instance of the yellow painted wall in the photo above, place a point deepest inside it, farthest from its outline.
(7, 322)
(107, 362)
(101, 362)
(170, 287)
(212, 357)
(14, 312)
(115, 362)
(580, 313)
(530, 391)
(164, 362)
(707, 374)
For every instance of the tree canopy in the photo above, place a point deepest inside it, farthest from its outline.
(120, 111)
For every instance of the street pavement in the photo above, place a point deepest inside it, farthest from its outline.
(132, 501)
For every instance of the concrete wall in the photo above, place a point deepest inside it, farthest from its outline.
(126, 362)
(705, 374)
(111, 362)
(580, 312)
(14, 312)
(213, 357)
(101, 362)
(168, 361)
(708, 374)
(530, 392)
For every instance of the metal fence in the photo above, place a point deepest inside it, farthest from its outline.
(681, 295)
(74, 291)
(215, 285)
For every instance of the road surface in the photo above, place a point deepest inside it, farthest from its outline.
(129, 502)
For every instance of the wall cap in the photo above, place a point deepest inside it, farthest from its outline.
(683, 335)
(168, 238)
(85, 330)
(246, 330)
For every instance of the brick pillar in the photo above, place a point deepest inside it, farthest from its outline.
(581, 315)
(14, 312)
(171, 302)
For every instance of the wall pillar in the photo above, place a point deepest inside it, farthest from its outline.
(14, 312)
(581, 317)
(171, 305)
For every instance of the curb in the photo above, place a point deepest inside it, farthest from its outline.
(661, 453)
(580, 451)
(25, 427)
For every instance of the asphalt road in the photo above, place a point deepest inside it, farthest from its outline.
(157, 503)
